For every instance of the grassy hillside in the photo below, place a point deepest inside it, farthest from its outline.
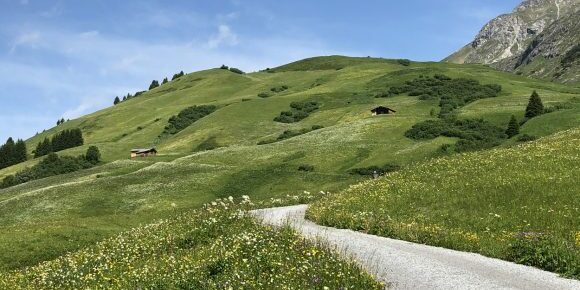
(217, 247)
(43, 219)
(519, 204)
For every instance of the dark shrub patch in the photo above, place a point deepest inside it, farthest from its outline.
(236, 70)
(187, 117)
(306, 168)
(209, 144)
(453, 93)
(371, 170)
(264, 95)
(404, 62)
(279, 89)
(474, 134)
(300, 111)
(526, 138)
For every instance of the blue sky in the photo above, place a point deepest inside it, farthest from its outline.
(68, 58)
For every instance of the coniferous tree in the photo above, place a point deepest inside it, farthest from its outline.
(535, 106)
(7, 154)
(513, 127)
(124, 98)
(116, 101)
(93, 155)
(19, 152)
(58, 122)
(154, 84)
(164, 81)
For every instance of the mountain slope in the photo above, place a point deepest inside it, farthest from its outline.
(532, 40)
(42, 219)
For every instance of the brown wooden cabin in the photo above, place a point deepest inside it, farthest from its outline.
(382, 110)
(143, 152)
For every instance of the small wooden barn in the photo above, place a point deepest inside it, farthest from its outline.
(382, 110)
(143, 152)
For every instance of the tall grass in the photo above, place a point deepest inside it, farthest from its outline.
(520, 204)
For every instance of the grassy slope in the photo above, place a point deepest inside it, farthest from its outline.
(42, 219)
(519, 203)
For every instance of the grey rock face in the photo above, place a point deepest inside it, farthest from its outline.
(512, 40)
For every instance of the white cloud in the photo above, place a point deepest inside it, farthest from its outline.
(225, 36)
(88, 34)
(31, 39)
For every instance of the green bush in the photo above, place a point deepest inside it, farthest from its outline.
(279, 89)
(371, 170)
(306, 168)
(404, 62)
(299, 111)
(526, 138)
(236, 70)
(453, 93)
(187, 117)
(93, 155)
(474, 134)
(264, 95)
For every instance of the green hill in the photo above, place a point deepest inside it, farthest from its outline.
(519, 204)
(40, 220)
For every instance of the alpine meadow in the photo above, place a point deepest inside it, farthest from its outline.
(159, 190)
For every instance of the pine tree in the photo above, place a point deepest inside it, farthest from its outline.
(124, 98)
(164, 81)
(20, 151)
(58, 122)
(62, 121)
(513, 127)
(535, 106)
(116, 101)
(153, 85)
(93, 155)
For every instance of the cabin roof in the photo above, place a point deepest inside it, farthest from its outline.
(143, 150)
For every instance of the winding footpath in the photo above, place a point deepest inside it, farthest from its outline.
(405, 265)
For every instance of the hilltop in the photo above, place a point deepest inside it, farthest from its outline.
(243, 143)
(538, 38)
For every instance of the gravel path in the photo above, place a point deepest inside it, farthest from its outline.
(405, 265)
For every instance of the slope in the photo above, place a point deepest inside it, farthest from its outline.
(42, 219)
(519, 204)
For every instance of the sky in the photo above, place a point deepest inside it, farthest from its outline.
(67, 58)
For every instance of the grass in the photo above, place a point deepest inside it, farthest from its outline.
(216, 247)
(520, 204)
(44, 219)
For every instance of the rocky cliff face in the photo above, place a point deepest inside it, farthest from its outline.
(532, 40)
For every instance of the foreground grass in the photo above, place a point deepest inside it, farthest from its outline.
(216, 247)
(520, 204)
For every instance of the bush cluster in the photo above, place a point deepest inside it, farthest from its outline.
(63, 140)
(404, 62)
(12, 153)
(452, 93)
(371, 170)
(306, 168)
(291, 133)
(187, 117)
(298, 112)
(54, 165)
(236, 70)
(474, 134)
(279, 89)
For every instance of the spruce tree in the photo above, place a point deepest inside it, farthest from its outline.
(535, 106)
(93, 155)
(20, 151)
(164, 81)
(153, 85)
(116, 101)
(513, 127)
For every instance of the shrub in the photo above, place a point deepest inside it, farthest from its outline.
(404, 62)
(209, 144)
(300, 111)
(371, 170)
(474, 134)
(264, 95)
(306, 168)
(187, 117)
(279, 89)
(526, 138)
(224, 67)
(236, 70)
(93, 155)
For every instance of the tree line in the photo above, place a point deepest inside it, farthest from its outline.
(54, 165)
(12, 153)
(61, 141)
(154, 84)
